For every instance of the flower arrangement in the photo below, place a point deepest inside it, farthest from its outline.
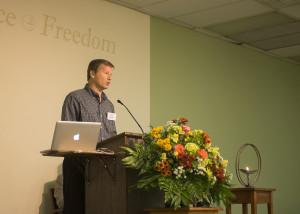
(182, 163)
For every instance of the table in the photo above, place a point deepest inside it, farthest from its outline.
(185, 210)
(253, 196)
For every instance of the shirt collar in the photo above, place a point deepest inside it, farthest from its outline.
(94, 93)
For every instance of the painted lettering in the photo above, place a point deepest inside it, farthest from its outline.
(48, 24)
(2, 17)
(95, 42)
(8, 18)
(58, 29)
(67, 32)
(76, 36)
(85, 39)
(110, 46)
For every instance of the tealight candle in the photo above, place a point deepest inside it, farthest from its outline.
(247, 171)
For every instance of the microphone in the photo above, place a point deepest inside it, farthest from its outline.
(119, 101)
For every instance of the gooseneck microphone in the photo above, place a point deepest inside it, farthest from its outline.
(119, 101)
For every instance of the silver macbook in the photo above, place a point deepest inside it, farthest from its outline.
(75, 136)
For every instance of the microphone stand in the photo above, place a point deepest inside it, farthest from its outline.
(119, 101)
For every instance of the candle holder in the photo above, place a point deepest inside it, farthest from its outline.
(247, 171)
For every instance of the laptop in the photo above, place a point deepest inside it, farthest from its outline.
(75, 136)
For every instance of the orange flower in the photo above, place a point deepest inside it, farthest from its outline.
(156, 167)
(161, 165)
(202, 153)
(179, 148)
(163, 173)
(169, 172)
(166, 163)
(165, 168)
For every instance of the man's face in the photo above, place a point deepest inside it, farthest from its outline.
(102, 77)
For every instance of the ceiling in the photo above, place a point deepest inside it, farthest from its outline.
(268, 26)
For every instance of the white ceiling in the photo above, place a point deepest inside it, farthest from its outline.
(268, 26)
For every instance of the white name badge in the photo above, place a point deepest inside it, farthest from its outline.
(111, 116)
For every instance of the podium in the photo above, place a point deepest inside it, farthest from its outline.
(108, 181)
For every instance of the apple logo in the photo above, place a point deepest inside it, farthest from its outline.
(76, 137)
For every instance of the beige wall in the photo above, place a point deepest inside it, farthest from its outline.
(45, 49)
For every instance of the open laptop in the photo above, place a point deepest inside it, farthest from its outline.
(75, 136)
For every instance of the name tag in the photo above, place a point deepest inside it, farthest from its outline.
(111, 116)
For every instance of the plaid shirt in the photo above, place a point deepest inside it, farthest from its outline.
(84, 105)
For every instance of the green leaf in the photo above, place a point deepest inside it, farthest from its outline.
(146, 181)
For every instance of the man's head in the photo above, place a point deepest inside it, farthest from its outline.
(95, 65)
(99, 74)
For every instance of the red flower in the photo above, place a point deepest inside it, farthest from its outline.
(185, 160)
(184, 121)
(181, 121)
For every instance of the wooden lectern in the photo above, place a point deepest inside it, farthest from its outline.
(108, 181)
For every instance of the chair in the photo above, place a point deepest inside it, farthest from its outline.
(55, 208)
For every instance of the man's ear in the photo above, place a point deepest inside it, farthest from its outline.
(92, 74)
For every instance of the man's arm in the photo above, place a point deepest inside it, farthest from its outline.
(70, 110)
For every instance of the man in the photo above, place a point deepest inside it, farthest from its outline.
(89, 104)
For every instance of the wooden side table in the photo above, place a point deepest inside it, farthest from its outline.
(185, 210)
(252, 196)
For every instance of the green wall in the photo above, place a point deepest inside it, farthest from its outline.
(237, 96)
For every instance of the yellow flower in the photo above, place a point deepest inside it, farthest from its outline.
(224, 163)
(177, 129)
(209, 172)
(168, 147)
(153, 133)
(163, 156)
(214, 151)
(159, 128)
(157, 136)
(160, 142)
(187, 139)
(205, 162)
(176, 154)
(167, 141)
(174, 137)
(207, 145)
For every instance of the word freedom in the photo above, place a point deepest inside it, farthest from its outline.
(85, 39)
